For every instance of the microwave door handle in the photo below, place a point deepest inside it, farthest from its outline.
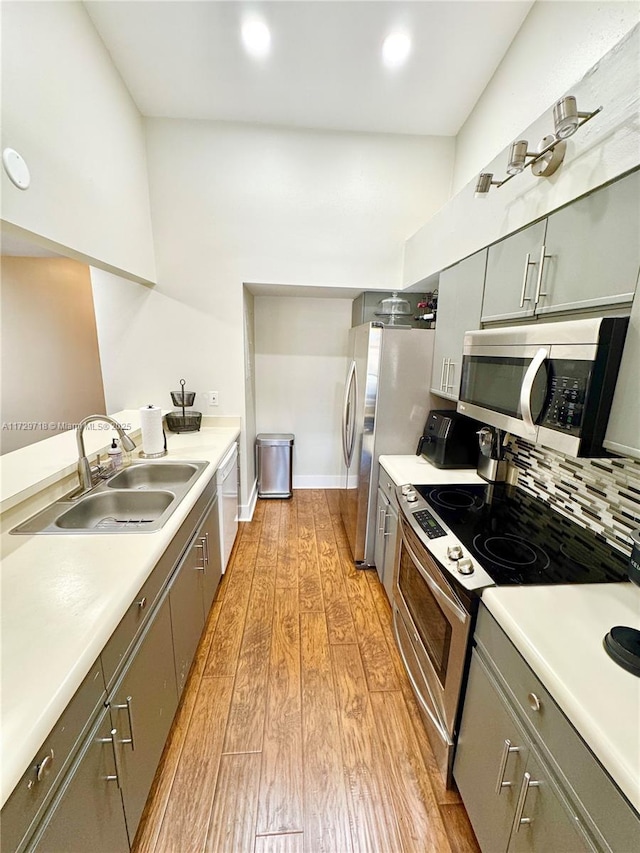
(527, 388)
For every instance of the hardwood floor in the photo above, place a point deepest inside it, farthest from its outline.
(298, 731)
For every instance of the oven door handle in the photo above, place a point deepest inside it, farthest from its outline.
(527, 388)
(447, 603)
(431, 712)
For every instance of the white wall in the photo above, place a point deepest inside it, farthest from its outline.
(605, 148)
(67, 111)
(555, 47)
(240, 203)
(301, 360)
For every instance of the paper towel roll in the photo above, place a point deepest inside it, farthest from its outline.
(152, 432)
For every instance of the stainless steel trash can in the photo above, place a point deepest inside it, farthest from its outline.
(274, 451)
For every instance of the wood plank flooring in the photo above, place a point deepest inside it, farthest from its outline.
(298, 731)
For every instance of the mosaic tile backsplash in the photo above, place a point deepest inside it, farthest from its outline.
(602, 494)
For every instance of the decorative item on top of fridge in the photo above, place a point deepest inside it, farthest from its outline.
(427, 309)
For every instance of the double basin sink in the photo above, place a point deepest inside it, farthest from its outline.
(138, 499)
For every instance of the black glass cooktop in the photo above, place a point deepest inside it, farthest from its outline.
(520, 539)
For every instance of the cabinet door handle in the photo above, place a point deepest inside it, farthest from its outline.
(129, 710)
(534, 703)
(200, 547)
(206, 548)
(444, 364)
(451, 385)
(527, 263)
(116, 756)
(506, 750)
(381, 513)
(518, 821)
(384, 527)
(539, 291)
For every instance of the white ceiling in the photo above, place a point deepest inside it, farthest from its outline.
(184, 59)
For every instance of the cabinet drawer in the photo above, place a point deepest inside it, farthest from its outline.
(30, 795)
(386, 483)
(557, 739)
(115, 652)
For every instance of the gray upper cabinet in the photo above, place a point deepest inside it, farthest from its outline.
(584, 257)
(593, 250)
(459, 306)
(623, 431)
(513, 267)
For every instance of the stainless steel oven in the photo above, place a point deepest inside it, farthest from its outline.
(456, 540)
(432, 624)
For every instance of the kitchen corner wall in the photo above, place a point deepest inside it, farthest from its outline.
(602, 494)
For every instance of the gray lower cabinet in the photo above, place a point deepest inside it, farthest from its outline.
(142, 705)
(459, 307)
(386, 544)
(209, 534)
(583, 257)
(511, 802)
(87, 814)
(527, 779)
(193, 590)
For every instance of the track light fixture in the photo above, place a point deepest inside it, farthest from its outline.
(551, 150)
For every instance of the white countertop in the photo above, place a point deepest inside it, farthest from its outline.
(63, 596)
(559, 632)
(416, 470)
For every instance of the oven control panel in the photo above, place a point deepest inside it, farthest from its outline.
(428, 523)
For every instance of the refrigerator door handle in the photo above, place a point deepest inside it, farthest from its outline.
(347, 441)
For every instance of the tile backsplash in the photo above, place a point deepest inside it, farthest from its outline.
(602, 494)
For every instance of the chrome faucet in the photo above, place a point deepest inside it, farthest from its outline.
(84, 469)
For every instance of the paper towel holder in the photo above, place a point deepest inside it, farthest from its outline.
(160, 453)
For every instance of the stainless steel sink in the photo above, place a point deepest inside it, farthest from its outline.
(138, 499)
(117, 511)
(159, 475)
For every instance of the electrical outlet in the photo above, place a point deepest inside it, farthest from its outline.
(213, 398)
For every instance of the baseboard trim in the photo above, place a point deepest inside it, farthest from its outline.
(318, 481)
(247, 510)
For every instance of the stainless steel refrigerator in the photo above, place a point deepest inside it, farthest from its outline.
(386, 403)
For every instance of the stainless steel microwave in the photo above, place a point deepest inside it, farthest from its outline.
(551, 383)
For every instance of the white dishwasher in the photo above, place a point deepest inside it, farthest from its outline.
(227, 487)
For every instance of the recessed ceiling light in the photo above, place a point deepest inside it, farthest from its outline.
(256, 37)
(395, 49)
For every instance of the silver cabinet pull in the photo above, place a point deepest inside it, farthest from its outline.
(444, 364)
(206, 548)
(381, 517)
(143, 602)
(518, 821)
(116, 756)
(452, 367)
(129, 710)
(386, 516)
(200, 547)
(506, 750)
(527, 263)
(539, 291)
(534, 703)
(44, 766)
